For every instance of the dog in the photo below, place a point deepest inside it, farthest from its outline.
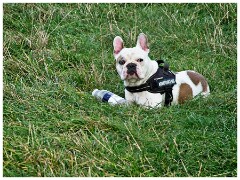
(135, 68)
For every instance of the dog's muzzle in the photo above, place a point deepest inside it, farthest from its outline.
(131, 68)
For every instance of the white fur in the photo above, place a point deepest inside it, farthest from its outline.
(157, 100)
(144, 70)
(182, 77)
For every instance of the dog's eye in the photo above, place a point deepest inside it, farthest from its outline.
(122, 62)
(140, 60)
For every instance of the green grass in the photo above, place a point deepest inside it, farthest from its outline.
(56, 54)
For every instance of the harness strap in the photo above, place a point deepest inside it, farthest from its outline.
(168, 98)
(134, 89)
(152, 84)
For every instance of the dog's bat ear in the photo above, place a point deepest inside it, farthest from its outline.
(142, 42)
(117, 45)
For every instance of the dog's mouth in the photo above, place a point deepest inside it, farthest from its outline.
(132, 74)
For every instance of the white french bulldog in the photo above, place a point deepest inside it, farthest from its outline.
(135, 68)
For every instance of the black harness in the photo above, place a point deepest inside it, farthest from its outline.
(160, 82)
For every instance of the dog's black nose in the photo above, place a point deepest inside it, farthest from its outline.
(131, 66)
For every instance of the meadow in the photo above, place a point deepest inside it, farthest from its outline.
(55, 55)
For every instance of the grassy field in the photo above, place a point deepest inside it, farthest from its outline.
(56, 54)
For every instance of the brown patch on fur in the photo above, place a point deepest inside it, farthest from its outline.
(119, 58)
(196, 78)
(185, 93)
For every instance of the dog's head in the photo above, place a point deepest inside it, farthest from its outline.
(131, 63)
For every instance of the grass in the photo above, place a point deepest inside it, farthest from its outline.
(56, 54)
